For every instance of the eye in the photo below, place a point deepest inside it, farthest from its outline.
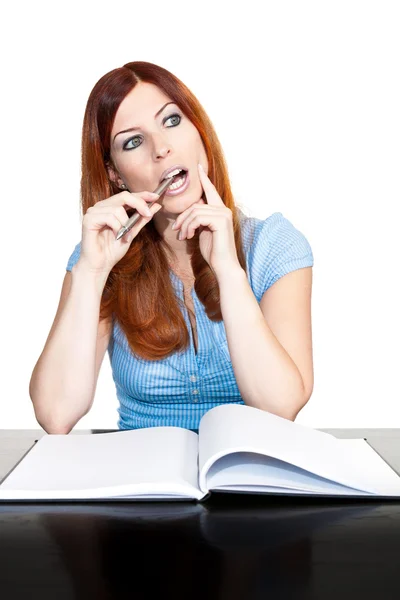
(139, 137)
(171, 117)
(125, 146)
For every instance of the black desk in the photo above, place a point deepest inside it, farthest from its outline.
(231, 547)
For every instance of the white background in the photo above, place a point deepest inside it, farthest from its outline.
(305, 98)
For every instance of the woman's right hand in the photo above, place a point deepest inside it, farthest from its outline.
(100, 250)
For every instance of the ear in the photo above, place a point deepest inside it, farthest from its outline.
(114, 175)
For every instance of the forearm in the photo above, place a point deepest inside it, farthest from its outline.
(63, 381)
(265, 374)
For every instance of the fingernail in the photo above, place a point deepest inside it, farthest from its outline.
(173, 225)
(148, 212)
(154, 195)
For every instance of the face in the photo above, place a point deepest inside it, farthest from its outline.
(158, 142)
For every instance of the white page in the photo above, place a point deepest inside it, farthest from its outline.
(151, 461)
(273, 490)
(245, 471)
(238, 428)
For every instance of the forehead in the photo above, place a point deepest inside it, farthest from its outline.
(139, 106)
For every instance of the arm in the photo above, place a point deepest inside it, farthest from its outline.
(64, 379)
(265, 373)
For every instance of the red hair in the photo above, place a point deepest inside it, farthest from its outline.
(138, 290)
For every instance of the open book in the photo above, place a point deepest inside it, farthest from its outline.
(238, 449)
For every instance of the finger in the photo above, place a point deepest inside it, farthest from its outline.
(126, 198)
(190, 225)
(149, 196)
(207, 218)
(140, 202)
(205, 180)
(122, 213)
(119, 212)
(210, 191)
(186, 213)
(141, 222)
(101, 221)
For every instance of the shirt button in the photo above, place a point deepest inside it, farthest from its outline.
(193, 378)
(195, 391)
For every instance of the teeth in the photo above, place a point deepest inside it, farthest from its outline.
(172, 173)
(177, 184)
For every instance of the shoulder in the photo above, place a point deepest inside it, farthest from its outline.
(273, 232)
(273, 247)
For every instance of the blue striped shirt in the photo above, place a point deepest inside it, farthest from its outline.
(180, 389)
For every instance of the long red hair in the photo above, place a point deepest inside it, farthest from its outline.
(138, 291)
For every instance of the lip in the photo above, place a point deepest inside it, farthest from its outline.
(163, 176)
(180, 190)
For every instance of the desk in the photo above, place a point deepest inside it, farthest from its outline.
(231, 547)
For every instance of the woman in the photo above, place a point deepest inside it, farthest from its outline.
(191, 321)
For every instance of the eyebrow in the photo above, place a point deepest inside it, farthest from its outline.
(134, 128)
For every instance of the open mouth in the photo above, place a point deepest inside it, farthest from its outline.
(180, 182)
(179, 177)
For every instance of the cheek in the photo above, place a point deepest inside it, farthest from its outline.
(197, 146)
(192, 137)
(135, 167)
(197, 152)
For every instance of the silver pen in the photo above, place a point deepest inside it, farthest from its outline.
(135, 217)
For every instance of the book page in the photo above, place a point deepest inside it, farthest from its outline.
(155, 461)
(231, 428)
(248, 472)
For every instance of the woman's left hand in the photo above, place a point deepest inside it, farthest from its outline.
(214, 220)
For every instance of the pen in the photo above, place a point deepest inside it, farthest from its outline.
(135, 217)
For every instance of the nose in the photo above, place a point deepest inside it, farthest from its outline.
(161, 147)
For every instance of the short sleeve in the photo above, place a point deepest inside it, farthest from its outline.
(73, 259)
(278, 248)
